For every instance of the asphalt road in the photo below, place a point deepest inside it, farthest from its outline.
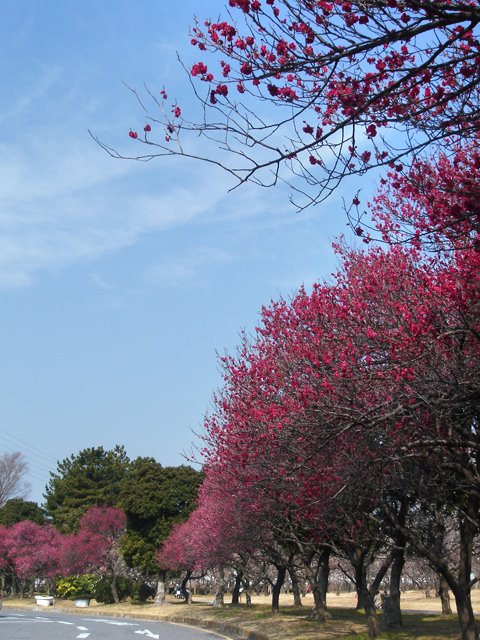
(39, 625)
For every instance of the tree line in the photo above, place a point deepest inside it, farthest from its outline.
(347, 425)
(104, 516)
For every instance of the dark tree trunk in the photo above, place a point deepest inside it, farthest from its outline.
(360, 560)
(297, 596)
(439, 543)
(360, 584)
(366, 598)
(319, 587)
(392, 613)
(186, 578)
(236, 588)
(466, 618)
(276, 588)
(183, 586)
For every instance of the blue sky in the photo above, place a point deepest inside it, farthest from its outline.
(119, 281)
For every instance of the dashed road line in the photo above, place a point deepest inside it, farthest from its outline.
(118, 624)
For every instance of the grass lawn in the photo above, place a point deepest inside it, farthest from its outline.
(291, 622)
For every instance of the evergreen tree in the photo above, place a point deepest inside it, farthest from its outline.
(17, 509)
(89, 478)
(154, 498)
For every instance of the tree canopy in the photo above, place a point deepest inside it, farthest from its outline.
(17, 509)
(90, 478)
(154, 498)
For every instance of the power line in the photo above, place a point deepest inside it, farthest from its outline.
(36, 451)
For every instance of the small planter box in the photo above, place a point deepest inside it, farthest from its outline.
(81, 602)
(44, 601)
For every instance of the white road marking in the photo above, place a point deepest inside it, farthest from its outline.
(82, 628)
(148, 633)
(118, 624)
(23, 620)
(83, 635)
(63, 622)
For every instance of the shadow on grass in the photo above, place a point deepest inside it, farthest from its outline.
(347, 624)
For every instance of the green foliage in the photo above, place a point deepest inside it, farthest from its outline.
(76, 586)
(17, 509)
(154, 498)
(139, 553)
(141, 591)
(103, 589)
(90, 478)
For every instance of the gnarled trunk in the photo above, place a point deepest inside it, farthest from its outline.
(444, 596)
(319, 585)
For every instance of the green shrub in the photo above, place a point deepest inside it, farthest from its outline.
(76, 586)
(142, 591)
(103, 590)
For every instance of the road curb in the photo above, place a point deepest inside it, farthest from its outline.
(231, 630)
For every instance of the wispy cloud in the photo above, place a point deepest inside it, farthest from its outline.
(188, 270)
(20, 101)
(62, 201)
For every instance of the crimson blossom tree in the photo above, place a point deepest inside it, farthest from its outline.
(325, 88)
(223, 531)
(357, 400)
(434, 205)
(95, 547)
(33, 550)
